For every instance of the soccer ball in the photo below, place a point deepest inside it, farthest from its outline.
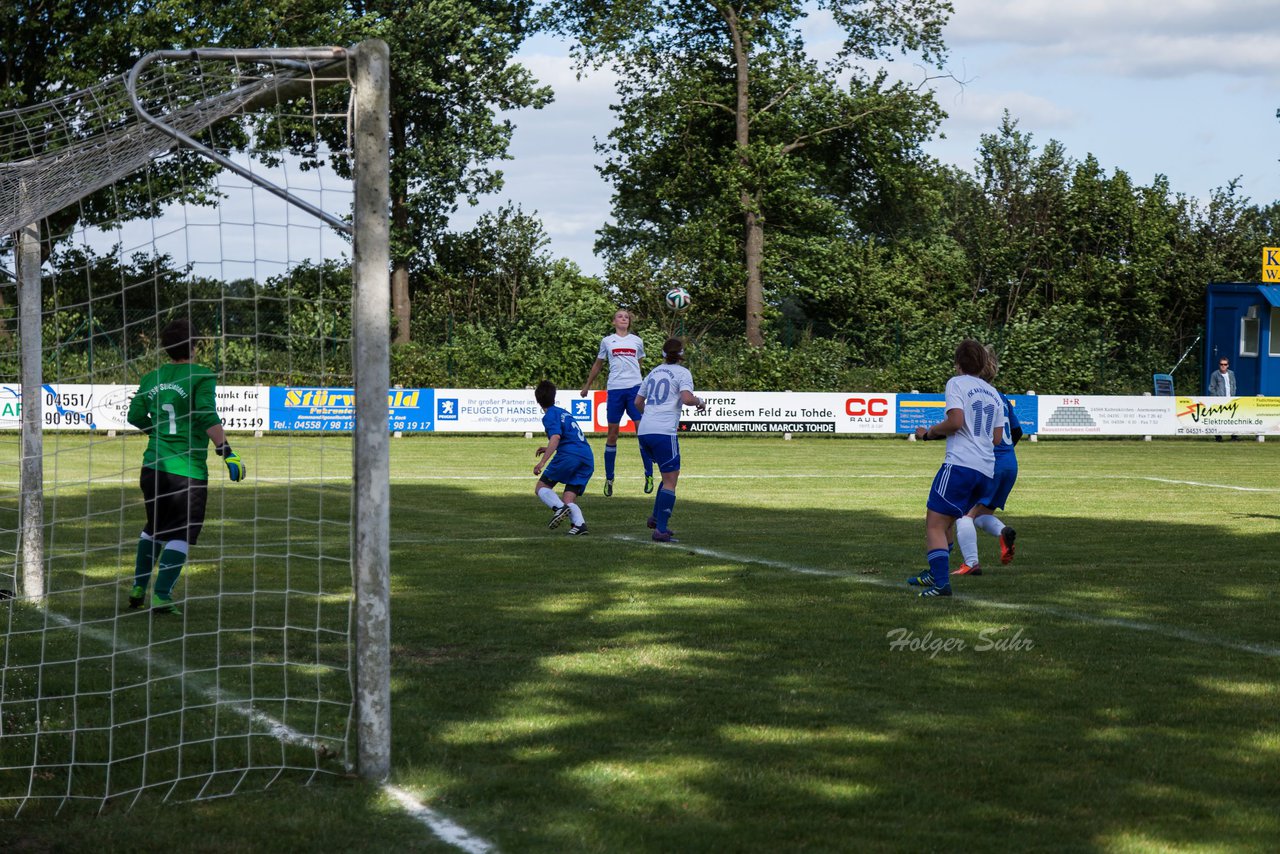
(678, 299)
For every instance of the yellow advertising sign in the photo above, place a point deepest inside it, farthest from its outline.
(1271, 265)
(1215, 416)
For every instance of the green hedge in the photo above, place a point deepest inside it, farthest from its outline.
(559, 325)
(1067, 352)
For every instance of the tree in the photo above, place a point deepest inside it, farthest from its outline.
(451, 72)
(722, 111)
(51, 48)
(483, 274)
(451, 68)
(1061, 254)
(1012, 219)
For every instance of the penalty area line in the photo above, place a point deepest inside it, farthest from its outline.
(442, 827)
(1267, 650)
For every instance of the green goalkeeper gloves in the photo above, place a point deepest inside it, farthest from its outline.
(235, 466)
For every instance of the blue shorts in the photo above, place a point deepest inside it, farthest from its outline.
(620, 400)
(956, 489)
(1005, 477)
(569, 469)
(663, 449)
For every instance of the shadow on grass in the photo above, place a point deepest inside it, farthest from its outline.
(99, 702)
(610, 694)
(557, 693)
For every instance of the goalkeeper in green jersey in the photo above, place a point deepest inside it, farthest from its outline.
(176, 407)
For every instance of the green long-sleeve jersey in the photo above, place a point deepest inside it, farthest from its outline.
(175, 406)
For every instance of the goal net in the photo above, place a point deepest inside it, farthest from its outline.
(244, 191)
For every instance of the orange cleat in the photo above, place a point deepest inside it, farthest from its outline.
(1007, 537)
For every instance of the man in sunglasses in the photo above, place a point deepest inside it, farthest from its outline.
(1223, 384)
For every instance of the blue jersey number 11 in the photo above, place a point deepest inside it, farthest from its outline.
(983, 414)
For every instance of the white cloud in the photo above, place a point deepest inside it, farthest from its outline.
(552, 172)
(1140, 38)
(980, 111)
(572, 92)
(1048, 21)
(1180, 56)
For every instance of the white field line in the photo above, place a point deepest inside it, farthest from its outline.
(447, 830)
(1267, 650)
(833, 475)
(1198, 483)
(865, 476)
(441, 827)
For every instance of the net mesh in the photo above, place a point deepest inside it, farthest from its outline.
(56, 153)
(101, 704)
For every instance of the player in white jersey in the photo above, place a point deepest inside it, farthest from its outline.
(624, 353)
(664, 393)
(982, 515)
(973, 424)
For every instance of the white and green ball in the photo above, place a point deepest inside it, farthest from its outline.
(678, 299)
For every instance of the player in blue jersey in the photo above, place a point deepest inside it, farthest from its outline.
(571, 462)
(624, 352)
(974, 423)
(667, 389)
(1006, 475)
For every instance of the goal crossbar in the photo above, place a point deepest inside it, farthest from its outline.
(92, 138)
(312, 61)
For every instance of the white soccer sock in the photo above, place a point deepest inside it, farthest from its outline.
(990, 523)
(575, 513)
(967, 540)
(548, 497)
(177, 546)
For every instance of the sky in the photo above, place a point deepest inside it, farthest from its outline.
(1184, 88)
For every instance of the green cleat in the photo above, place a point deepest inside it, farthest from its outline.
(137, 595)
(163, 606)
(648, 483)
(608, 489)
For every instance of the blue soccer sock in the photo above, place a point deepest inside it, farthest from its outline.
(148, 551)
(664, 504)
(610, 454)
(938, 561)
(171, 561)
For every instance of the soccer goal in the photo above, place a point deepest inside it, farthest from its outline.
(247, 192)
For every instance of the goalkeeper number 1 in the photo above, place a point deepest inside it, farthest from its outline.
(176, 407)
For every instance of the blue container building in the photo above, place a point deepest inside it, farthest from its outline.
(1242, 322)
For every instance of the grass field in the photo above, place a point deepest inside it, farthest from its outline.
(1114, 689)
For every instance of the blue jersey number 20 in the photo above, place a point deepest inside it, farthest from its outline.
(661, 390)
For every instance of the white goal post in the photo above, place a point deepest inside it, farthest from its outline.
(114, 230)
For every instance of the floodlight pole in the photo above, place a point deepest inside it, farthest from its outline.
(31, 580)
(371, 312)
